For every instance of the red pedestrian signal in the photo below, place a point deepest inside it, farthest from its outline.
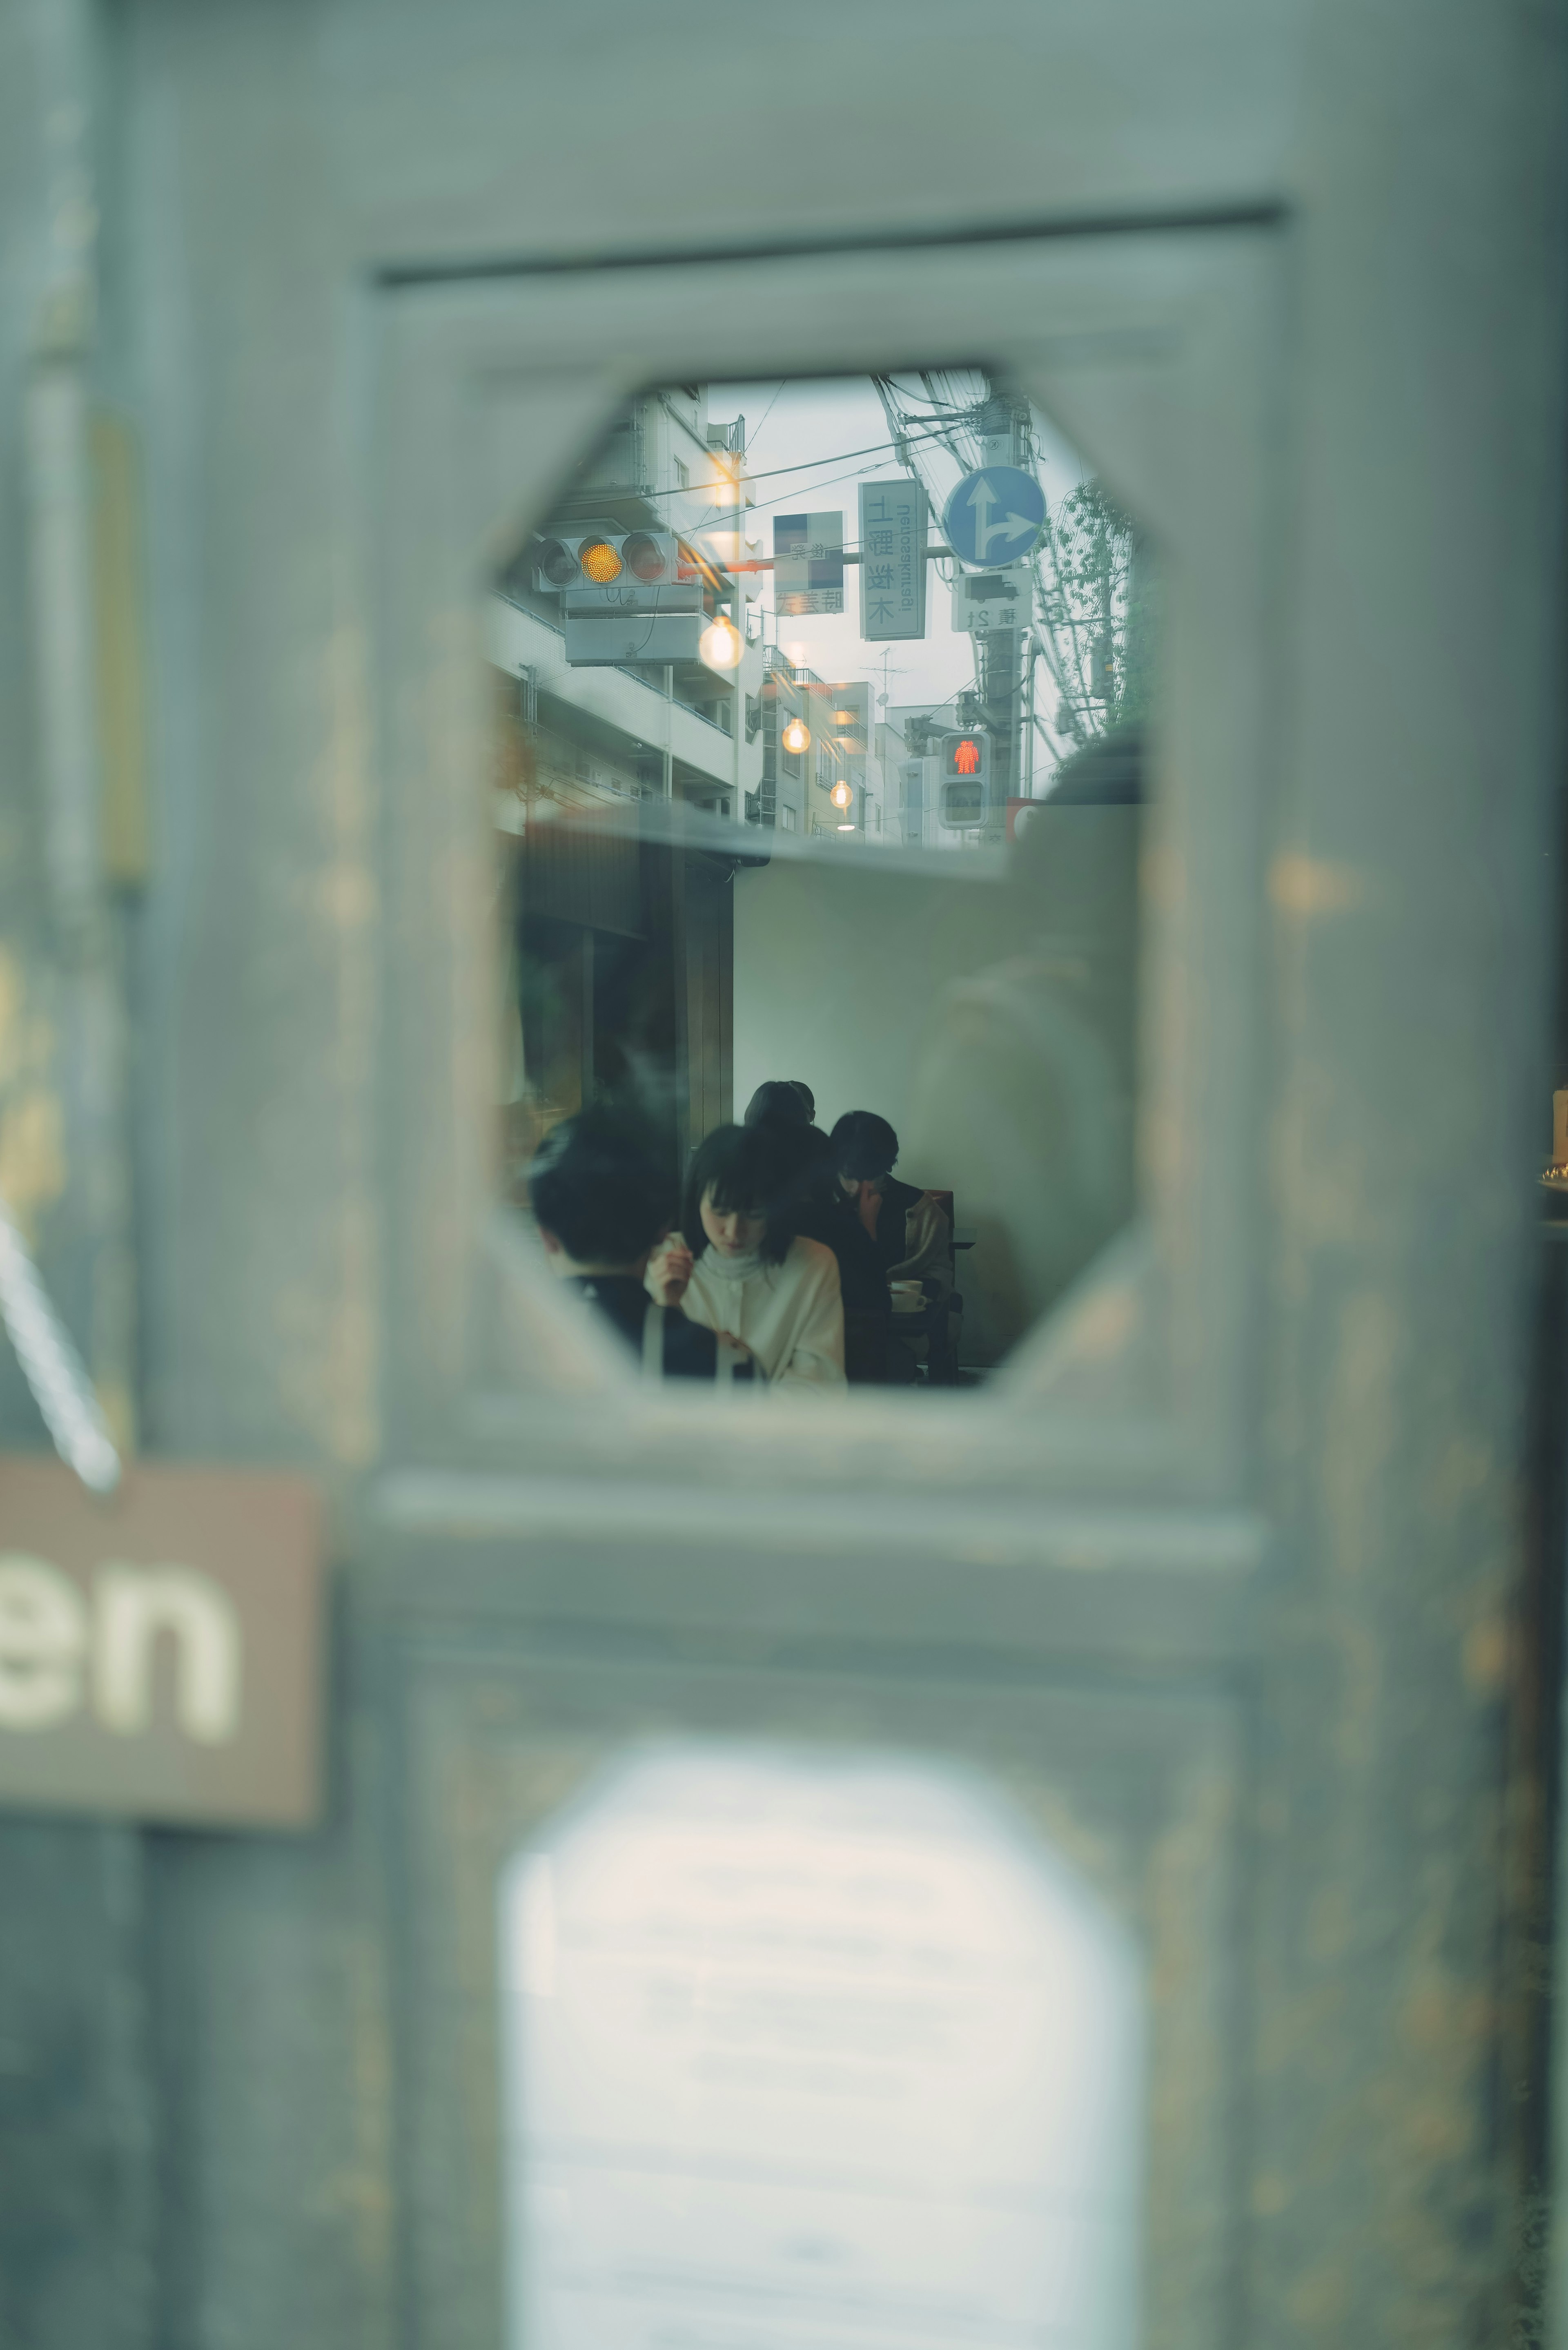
(967, 756)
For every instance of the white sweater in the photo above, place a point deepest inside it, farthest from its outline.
(789, 1314)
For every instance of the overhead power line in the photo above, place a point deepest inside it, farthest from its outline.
(808, 465)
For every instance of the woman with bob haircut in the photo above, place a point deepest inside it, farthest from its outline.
(743, 1272)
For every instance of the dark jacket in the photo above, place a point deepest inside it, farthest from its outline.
(812, 1204)
(690, 1352)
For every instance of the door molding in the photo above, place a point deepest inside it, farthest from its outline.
(1157, 355)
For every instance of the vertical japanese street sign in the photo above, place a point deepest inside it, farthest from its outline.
(160, 1651)
(808, 563)
(892, 560)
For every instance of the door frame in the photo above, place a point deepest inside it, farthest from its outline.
(1160, 356)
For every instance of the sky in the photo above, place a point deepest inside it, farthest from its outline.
(815, 425)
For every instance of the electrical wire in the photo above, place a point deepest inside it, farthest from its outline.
(839, 457)
(767, 411)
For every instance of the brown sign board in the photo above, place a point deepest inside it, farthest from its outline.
(160, 1650)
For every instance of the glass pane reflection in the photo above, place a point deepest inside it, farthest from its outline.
(821, 770)
(813, 2050)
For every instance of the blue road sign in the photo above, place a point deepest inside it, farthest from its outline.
(994, 517)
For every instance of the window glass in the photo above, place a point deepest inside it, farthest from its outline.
(823, 714)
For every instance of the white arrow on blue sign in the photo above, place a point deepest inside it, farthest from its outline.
(994, 517)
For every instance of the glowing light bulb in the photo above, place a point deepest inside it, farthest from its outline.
(841, 794)
(721, 644)
(796, 736)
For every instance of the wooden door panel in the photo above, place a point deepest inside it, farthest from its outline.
(1138, 1792)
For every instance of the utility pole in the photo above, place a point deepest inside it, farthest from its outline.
(737, 467)
(1003, 428)
(738, 805)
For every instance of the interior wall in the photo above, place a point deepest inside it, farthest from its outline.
(839, 973)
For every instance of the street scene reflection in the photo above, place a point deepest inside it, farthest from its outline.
(822, 713)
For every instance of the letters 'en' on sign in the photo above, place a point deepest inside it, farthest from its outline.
(893, 521)
(808, 563)
(994, 517)
(160, 1653)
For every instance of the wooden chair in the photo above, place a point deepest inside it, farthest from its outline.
(935, 1324)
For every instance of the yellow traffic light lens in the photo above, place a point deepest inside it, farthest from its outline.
(796, 736)
(841, 796)
(600, 562)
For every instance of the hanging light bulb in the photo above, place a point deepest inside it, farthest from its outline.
(721, 643)
(841, 794)
(796, 736)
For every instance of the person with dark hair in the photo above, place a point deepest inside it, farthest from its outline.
(744, 1271)
(777, 1103)
(908, 1228)
(602, 1200)
(809, 1200)
(807, 1097)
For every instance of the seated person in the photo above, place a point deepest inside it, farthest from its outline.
(776, 1102)
(909, 1228)
(740, 1267)
(807, 1097)
(812, 1201)
(601, 1200)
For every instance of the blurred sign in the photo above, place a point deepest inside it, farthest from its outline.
(808, 563)
(160, 1653)
(633, 636)
(995, 516)
(892, 560)
(886, 2042)
(984, 600)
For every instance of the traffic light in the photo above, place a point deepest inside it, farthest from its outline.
(966, 777)
(614, 570)
(630, 597)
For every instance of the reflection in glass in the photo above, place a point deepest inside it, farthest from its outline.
(808, 2050)
(821, 758)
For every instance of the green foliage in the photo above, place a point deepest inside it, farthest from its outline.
(1096, 614)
